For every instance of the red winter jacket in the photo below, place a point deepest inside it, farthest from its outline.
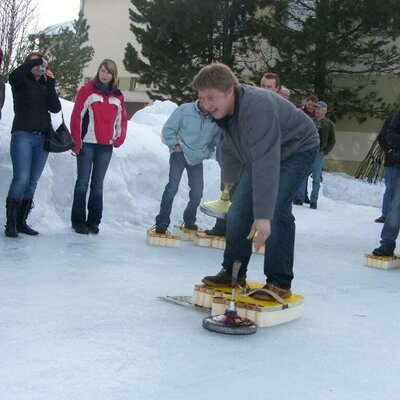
(98, 117)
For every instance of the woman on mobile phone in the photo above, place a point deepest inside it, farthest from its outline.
(34, 95)
(98, 124)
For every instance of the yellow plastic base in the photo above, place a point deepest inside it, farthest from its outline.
(371, 260)
(263, 313)
(164, 240)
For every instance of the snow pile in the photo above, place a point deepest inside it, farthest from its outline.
(134, 182)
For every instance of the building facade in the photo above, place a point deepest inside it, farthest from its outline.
(109, 34)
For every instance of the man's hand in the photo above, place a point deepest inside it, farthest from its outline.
(260, 231)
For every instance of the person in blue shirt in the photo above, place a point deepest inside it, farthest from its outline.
(191, 136)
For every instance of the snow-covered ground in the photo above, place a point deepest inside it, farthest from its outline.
(80, 316)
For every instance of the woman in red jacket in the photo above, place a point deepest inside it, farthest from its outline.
(98, 124)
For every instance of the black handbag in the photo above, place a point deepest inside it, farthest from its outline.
(59, 140)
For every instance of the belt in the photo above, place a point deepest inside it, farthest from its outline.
(38, 133)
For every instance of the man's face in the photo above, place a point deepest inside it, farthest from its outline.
(285, 93)
(320, 113)
(218, 104)
(269, 84)
(310, 105)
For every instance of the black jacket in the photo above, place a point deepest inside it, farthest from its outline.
(33, 99)
(2, 94)
(382, 141)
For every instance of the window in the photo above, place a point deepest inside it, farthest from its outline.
(133, 84)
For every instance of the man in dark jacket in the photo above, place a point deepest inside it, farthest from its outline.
(326, 131)
(268, 148)
(388, 170)
(2, 85)
(391, 227)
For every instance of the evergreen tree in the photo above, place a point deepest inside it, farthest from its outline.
(333, 48)
(178, 37)
(67, 55)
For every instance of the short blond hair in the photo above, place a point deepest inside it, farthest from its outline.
(215, 76)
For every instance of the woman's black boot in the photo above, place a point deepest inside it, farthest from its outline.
(12, 206)
(24, 210)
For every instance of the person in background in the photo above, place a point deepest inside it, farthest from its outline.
(34, 95)
(391, 226)
(2, 85)
(326, 131)
(270, 81)
(309, 106)
(191, 136)
(268, 148)
(98, 124)
(388, 170)
(284, 92)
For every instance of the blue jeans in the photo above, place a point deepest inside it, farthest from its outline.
(391, 227)
(93, 159)
(316, 171)
(389, 177)
(279, 247)
(28, 160)
(177, 164)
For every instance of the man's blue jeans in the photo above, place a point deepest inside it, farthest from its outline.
(389, 177)
(93, 159)
(391, 227)
(279, 247)
(316, 171)
(177, 164)
(28, 159)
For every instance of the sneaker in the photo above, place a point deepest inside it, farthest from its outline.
(307, 200)
(222, 279)
(381, 219)
(281, 292)
(80, 228)
(298, 202)
(93, 228)
(214, 232)
(313, 205)
(192, 227)
(383, 251)
(161, 229)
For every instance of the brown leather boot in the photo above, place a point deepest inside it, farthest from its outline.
(222, 279)
(283, 293)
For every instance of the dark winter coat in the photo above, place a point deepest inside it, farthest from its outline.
(264, 130)
(382, 141)
(2, 94)
(327, 135)
(393, 138)
(2, 85)
(33, 99)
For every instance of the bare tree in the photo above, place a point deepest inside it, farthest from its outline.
(17, 21)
